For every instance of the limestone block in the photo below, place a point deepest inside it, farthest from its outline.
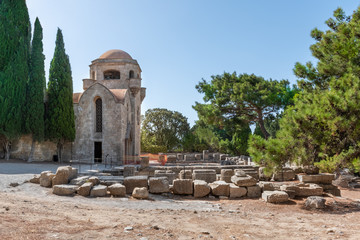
(310, 169)
(183, 186)
(140, 193)
(332, 189)
(201, 189)
(144, 162)
(223, 157)
(79, 180)
(216, 156)
(117, 190)
(73, 173)
(185, 174)
(35, 179)
(94, 180)
(244, 181)
(315, 202)
(171, 159)
(226, 175)
(220, 188)
(208, 175)
(158, 185)
(62, 175)
(64, 189)
(324, 178)
(266, 186)
(275, 196)
(46, 178)
(287, 174)
(297, 169)
(135, 181)
(84, 189)
(180, 156)
(198, 156)
(189, 157)
(239, 173)
(236, 191)
(129, 171)
(306, 190)
(254, 191)
(98, 191)
(205, 155)
(166, 173)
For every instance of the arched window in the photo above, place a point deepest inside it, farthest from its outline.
(131, 74)
(98, 104)
(111, 74)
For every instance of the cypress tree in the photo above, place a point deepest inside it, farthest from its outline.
(35, 109)
(14, 54)
(60, 116)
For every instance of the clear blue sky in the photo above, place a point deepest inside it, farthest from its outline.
(177, 43)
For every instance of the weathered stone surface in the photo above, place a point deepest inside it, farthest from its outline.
(275, 196)
(297, 169)
(201, 189)
(226, 175)
(129, 171)
(262, 175)
(343, 179)
(158, 185)
(46, 178)
(207, 175)
(180, 156)
(243, 181)
(236, 191)
(189, 157)
(84, 189)
(310, 169)
(266, 186)
(323, 178)
(135, 181)
(64, 189)
(62, 175)
(73, 173)
(171, 159)
(239, 173)
(140, 193)
(253, 191)
(79, 180)
(205, 154)
(306, 190)
(94, 180)
(220, 188)
(183, 186)
(287, 174)
(185, 174)
(315, 202)
(117, 190)
(166, 173)
(198, 156)
(35, 179)
(99, 191)
(144, 162)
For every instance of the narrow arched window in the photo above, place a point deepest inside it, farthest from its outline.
(111, 74)
(131, 74)
(98, 104)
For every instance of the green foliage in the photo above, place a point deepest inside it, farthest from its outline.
(163, 130)
(60, 117)
(14, 54)
(36, 87)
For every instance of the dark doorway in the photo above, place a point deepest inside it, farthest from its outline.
(97, 152)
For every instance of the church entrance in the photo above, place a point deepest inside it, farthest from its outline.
(97, 152)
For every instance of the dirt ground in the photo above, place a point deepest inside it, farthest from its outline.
(29, 211)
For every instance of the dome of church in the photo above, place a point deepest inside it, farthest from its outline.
(115, 54)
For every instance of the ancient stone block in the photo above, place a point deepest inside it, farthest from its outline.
(323, 178)
(84, 189)
(315, 202)
(239, 173)
(185, 174)
(79, 180)
(62, 175)
(226, 175)
(243, 181)
(94, 180)
(223, 156)
(98, 191)
(117, 190)
(216, 156)
(64, 189)
(287, 174)
(266, 186)
(35, 179)
(208, 175)
(220, 188)
(205, 155)
(236, 191)
(46, 178)
(310, 169)
(201, 189)
(198, 156)
(140, 193)
(158, 185)
(275, 196)
(171, 159)
(144, 162)
(166, 173)
(183, 186)
(129, 171)
(306, 190)
(180, 156)
(73, 173)
(253, 191)
(135, 181)
(189, 157)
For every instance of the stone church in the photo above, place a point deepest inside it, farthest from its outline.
(107, 114)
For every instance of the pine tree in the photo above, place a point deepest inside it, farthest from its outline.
(35, 109)
(60, 117)
(14, 57)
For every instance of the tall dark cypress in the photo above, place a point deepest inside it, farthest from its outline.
(14, 59)
(60, 117)
(35, 91)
